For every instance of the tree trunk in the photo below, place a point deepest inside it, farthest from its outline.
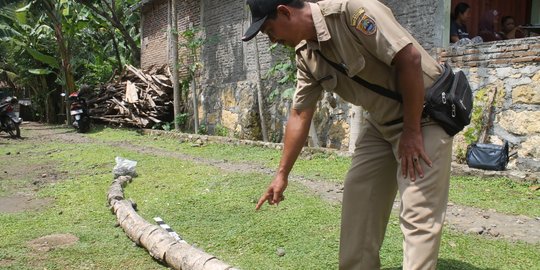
(117, 53)
(195, 104)
(175, 253)
(260, 98)
(356, 116)
(173, 36)
(313, 134)
(63, 49)
(135, 50)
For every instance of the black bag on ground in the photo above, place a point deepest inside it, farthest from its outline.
(487, 156)
(449, 101)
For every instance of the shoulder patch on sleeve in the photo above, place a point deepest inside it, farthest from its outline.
(366, 25)
(358, 14)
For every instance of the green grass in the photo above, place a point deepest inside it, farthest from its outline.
(78, 208)
(503, 195)
(214, 210)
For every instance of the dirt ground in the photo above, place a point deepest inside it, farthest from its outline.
(487, 223)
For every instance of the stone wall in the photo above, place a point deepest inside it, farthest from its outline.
(512, 69)
(231, 68)
(229, 75)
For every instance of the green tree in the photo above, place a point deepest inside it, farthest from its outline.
(29, 53)
(53, 45)
(193, 42)
(120, 16)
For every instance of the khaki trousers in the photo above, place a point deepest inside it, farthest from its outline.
(370, 188)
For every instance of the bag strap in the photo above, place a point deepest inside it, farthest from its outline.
(373, 87)
(506, 150)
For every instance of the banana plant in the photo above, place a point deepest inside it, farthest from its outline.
(57, 12)
(28, 33)
(120, 16)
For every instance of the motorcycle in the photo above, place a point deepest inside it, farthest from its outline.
(9, 120)
(79, 113)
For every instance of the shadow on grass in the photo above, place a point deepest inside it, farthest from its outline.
(96, 128)
(449, 264)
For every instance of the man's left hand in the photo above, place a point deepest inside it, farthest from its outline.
(411, 150)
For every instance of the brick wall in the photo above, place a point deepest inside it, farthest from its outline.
(154, 40)
(493, 54)
(154, 34)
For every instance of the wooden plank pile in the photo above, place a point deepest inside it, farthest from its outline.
(137, 98)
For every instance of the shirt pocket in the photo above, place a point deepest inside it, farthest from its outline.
(355, 65)
(328, 82)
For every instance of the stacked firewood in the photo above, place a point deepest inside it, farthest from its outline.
(137, 98)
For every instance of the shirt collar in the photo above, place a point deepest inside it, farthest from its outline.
(320, 28)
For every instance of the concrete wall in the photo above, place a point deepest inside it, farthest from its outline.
(427, 20)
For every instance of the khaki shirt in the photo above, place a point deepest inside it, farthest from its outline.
(364, 36)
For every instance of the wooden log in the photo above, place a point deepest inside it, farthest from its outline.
(116, 189)
(137, 73)
(144, 239)
(183, 256)
(122, 213)
(154, 119)
(133, 225)
(162, 80)
(159, 243)
(139, 232)
(115, 193)
(158, 248)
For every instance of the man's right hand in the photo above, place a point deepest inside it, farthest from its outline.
(296, 134)
(274, 193)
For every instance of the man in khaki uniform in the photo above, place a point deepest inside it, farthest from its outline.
(398, 149)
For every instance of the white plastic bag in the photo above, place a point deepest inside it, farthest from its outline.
(124, 167)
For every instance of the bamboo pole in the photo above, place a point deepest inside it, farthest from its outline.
(174, 62)
(260, 98)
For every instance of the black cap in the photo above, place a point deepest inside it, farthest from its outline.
(260, 9)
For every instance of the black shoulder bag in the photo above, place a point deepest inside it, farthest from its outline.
(488, 156)
(449, 101)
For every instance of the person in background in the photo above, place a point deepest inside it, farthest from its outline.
(488, 25)
(509, 30)
(458, 29)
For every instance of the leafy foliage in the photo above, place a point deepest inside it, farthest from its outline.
(193, 40)
(54, 45)
(220, 130)
(285, 71)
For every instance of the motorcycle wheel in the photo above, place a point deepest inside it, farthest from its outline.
(13, 129)
(84, 125)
